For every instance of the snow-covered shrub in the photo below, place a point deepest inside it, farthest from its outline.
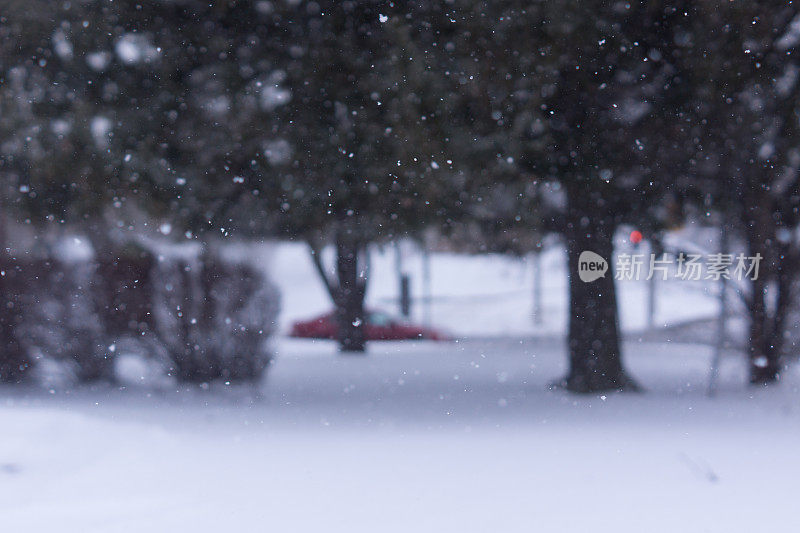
(59, 318)
(123, 289)
(214, 316)
(202, 317)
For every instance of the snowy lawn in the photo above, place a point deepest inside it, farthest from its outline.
(413, 437)
(483, 295)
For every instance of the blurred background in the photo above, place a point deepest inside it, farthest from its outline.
(308, 264)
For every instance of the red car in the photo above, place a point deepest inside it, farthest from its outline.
(379, 327)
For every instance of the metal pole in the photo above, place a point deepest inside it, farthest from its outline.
(537, 288)
(658, 252)
(402, 280)
(427, 295)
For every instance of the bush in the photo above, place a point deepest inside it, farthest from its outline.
(123, 289)
(57, 316)
(206, 318)
(214, 317)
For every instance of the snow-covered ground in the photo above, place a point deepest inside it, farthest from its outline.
(419, 436)
(413, 437)
(482, 295)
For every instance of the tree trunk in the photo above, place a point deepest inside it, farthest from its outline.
(350, 296)
(765, 341)
(593, 338)
(766, 311)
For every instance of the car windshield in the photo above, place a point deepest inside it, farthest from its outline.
(380, 319)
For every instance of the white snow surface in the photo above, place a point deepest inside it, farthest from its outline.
(413, 437)
(483, 295)
(466, 436)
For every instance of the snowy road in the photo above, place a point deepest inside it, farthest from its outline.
(413, 437)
